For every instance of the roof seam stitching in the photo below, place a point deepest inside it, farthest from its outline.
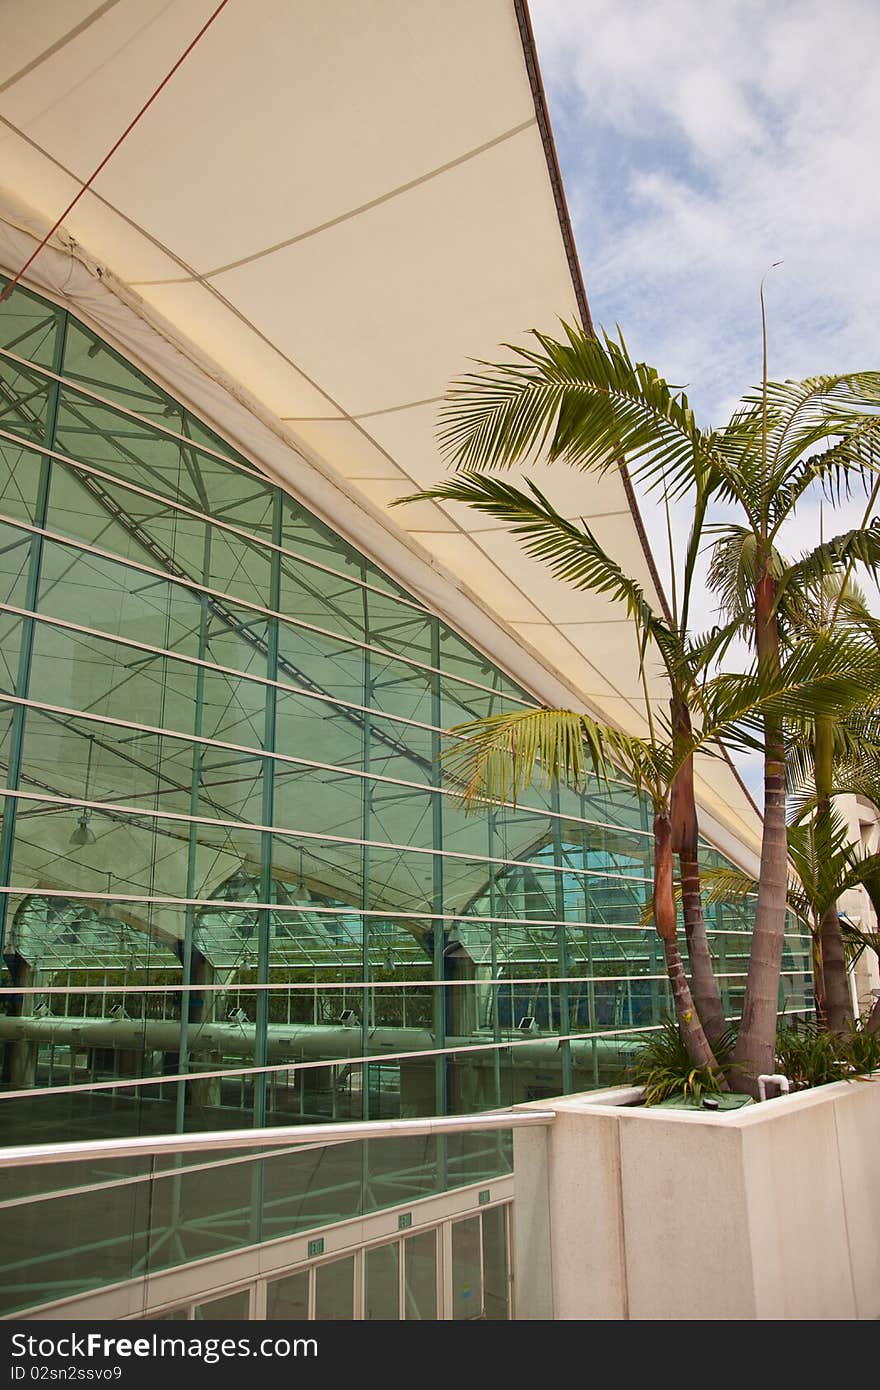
(352, 212)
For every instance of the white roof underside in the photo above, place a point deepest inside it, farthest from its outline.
(330, 209)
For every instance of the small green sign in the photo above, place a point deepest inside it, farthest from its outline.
(485, 1196)
(404, 1221)
(316, 1247)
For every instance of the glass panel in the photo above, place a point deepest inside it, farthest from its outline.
(420, 1277)
(28, 327)
(10, 647)
(233, 1307)
(253, 923)
(20, 470)
(382, 1283)
(288, 1299)
(334, 1291)
(467, 1284)
(75, 1242)
(24, 401)
(495, 1277)
(457, 658)
(306, 536)
(89, 360)
(101, 436)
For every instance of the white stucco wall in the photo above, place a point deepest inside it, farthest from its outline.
(765, 1213)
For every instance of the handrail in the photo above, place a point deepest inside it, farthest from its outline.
(35, 1155)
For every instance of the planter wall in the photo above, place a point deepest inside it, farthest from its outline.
(766, 1212)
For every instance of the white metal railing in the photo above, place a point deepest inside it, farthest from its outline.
(35, 1155)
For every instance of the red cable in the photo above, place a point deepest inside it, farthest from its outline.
(129, 128)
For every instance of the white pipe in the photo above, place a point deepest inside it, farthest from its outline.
(778, 1079)
(330, 1043)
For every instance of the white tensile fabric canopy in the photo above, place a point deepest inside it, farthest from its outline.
(331, 207)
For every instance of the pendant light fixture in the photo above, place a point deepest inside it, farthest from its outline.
(106, 911)
(83, 833)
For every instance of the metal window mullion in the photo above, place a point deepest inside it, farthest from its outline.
(507, 1209)
(562, 939)
(259, 1300)
(16, 733)
(359, 1286)
(366, 810)
(491, 820)
(439, 972)
(268, 816)
(192, 851)
(588, 942)
(443, 1254)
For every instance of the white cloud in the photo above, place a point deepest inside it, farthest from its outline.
(700, 143)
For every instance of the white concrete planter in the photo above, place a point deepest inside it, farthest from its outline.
(772, 1211)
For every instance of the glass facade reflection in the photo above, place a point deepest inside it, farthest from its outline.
(234, 888)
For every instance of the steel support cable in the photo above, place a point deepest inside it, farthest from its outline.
(111, 152)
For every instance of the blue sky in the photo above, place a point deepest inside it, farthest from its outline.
(701, 142)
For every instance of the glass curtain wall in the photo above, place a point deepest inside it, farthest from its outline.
(233, 889)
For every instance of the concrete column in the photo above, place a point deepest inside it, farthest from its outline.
(532, 1253)
(569, 1248)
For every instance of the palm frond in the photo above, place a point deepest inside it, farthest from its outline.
(727, 884)
(583, 399)
(825, 677)
(571, 552)
(496, 758)
(734, 566)
(803, 414)
(859, 546)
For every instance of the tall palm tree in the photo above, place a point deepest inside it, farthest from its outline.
(492, 759)
(824, 754)
(584, 400)
(823, 866)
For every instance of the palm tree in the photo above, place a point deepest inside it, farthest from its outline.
(585, 401)
(823, 866)
(492, 759)
(762, 592)
(825, 754)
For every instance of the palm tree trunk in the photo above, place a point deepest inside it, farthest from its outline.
(704, 984)
(819, 982)
(838, 1005)
(695, 1040)
(755, 1052)
(685, 843)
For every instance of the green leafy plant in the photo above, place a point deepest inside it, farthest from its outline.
(812, 1056)
(807, 1055)
(662, 1065)
(863, 1050)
